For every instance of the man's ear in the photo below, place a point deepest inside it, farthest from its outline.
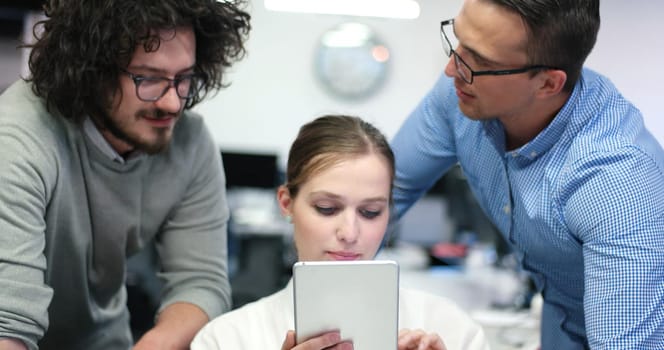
(285, 200)
(552, 82)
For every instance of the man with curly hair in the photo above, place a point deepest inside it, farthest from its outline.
(102, 158)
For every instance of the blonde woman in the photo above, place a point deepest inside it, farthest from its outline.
(338, 195)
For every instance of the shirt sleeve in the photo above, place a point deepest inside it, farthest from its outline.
(192, 245)
(26, 179)
(424, 146)
(615, 207)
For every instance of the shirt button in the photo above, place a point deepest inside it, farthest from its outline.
(533, 154)
(507, 209)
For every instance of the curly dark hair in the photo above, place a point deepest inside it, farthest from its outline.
(82, 46)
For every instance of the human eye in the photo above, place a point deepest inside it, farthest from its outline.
(187, 84)
(473, 59)
(370, 214)
(149, 81)
(480, 62)
(184, 79)
(326, 210)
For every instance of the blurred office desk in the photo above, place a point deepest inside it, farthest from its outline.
(509, 330)
(259, 267)
(259, 263)
(256, 245)
(476, 290)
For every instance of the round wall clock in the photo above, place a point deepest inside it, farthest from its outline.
(351, 62)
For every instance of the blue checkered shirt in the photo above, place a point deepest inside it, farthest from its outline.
(582, 205)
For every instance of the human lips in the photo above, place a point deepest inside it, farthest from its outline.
(162, 121)
(343, 255)
(462, 94)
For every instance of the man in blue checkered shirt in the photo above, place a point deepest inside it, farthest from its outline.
(559, 161)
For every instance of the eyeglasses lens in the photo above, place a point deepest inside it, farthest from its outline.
(154, 89)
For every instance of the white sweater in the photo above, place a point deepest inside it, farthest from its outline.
(263, 324)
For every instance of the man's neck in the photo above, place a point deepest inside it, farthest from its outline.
(521, 129)
(105, 140)
(123, 148)
(120, 146)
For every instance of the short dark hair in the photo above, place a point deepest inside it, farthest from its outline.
(561, 33)
(328, 140)
(82, 46)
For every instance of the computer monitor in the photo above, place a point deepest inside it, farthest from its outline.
(248, 169)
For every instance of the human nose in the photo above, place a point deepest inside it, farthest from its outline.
(170, 101)
(349, 228)
(451, 69)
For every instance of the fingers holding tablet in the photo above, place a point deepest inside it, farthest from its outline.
(327, 341)
(417, 339)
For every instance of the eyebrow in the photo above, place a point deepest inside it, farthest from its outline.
(159, 70)
(335, 196)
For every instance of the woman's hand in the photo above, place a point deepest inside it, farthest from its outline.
(327, 341)
(418, 339)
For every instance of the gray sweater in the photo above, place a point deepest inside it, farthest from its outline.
(70, 217)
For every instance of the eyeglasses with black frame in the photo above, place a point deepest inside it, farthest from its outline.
(150, 89)
(465, 72)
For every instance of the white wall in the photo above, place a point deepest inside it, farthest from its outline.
(630, 51)
(274, 89)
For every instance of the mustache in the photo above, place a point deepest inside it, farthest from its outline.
(155, 114)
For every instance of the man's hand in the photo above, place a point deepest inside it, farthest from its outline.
(327, 341)
(176, 327)
(419, 340)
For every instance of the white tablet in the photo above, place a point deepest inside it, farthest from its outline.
(358, 298)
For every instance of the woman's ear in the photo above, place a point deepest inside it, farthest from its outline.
(285, 201)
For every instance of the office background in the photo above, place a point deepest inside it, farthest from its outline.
(275, 89)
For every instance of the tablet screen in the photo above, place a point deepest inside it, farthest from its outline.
(358, 298)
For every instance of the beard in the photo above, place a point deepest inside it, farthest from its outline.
(161, 136)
